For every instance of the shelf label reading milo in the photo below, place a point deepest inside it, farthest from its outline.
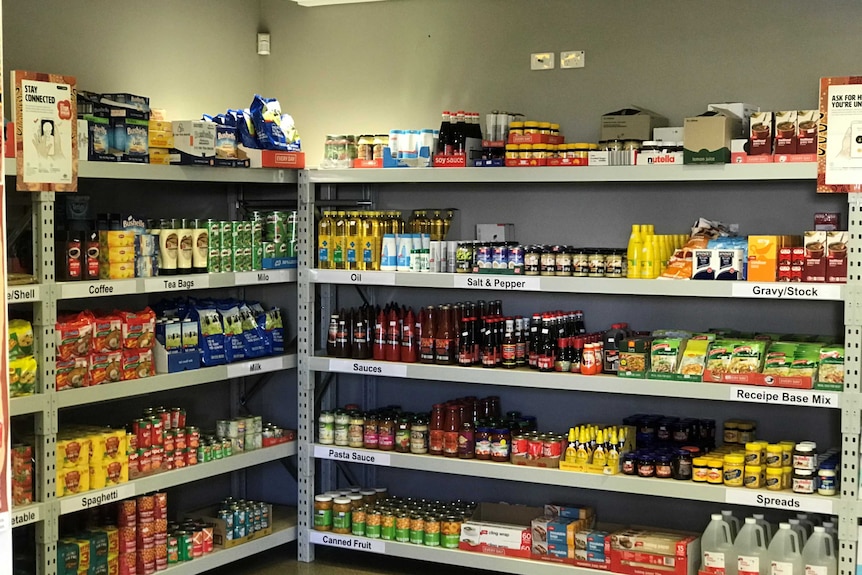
(774, 500)
(96, 498)
(495, 282)
(351, 455)
(778, 396)
(828, 292)
(347, 542)
(358, 367)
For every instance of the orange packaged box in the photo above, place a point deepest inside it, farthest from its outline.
(72, 373)
(73, 334)
(105, 367)
(763, 258)
(138, 328)
(137, 364)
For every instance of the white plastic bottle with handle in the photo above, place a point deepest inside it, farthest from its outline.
(733, 521)
(807, 521)
(832, 531)
(768, 527)
(818, 555)
(751, 549)
(796, 525)
(717, 547)
(785, 553)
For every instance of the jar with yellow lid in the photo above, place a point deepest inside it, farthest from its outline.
(580, 149)
(516, 129)
(552, 150)
(531, 127)
(545, 128)
(774, 478)
(699, 469)
(555, 129)
(525, 151)
(787, 448)
(752, 477)
(715, 471)
(540, 151)
(774, 453)
(733, 468)
(512, 152)
(753, 455)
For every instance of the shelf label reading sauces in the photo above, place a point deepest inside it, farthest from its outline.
(97, 498)
(812, 503)
(368, 368)
(504, 283)
(772, 395)
(786, 291)
(348, 542)
(351, 455)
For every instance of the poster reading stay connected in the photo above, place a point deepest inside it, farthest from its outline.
(46, 132)
(839, 151)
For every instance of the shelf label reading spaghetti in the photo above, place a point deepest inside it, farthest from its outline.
(96, 498)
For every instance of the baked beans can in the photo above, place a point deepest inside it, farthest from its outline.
(520, 445)
(165, 416)
(161, 505)
(143, 430)
(180, 440)
(193, 437)
(191, 456)
(535, 447)
(227, 447)
(552, 447)
(170, 440)
(178, 418)
(217, 449)
(158, 431)
(180, 458)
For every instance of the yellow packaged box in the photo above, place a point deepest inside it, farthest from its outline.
(109, 473)
(161, 126)
(83, 547)
(160, 139)
(73, 452)
(121, 271)
(163, 156)
(763, 258)
(73, 481)
(121, 255)
(120, 239)
(108, 445)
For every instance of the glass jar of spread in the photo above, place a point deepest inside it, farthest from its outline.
(501, 441)
(532, 260)
(341, 516)
(580, 263)
(632, 144)
(646, 465)
(516, 129)
(555, 129)
(563, 260)
(614, 264)
(356, 430)
(596, 263)
(357, 521)
(548, 265)
(483, 443)
(629, 464)
(326, 428)
(752, 477)
(545, 128)
(773, 479)
(804, 481)
(786, 477)
(805, 456)
(752, 453)
(682, 465)
(733, 469)
(540, 151)
(525, 151)
(552, 151)
(663, 467)
(613, 145)
(580, 150)
(773, 455)
(512, 152)
(323, 512)
(747, 432)
(715, 471)
(531, 127)
(731, 431)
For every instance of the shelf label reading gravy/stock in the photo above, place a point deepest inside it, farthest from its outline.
(179, 283)
(261, 365)
(21, 294)
(351, 455)
(368, 368)
(778, 396)
(786, 291)
(262, 277)
(789, 501)
(96, 498)
(494, 282)
(350, 277)
(26, 516)
(348, 542)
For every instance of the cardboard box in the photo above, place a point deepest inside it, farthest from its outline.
(814, 265)
(836, 256)
(785, 132)
(130, 139)
(500, 529)
(673, 134)
(807, 127)
(195, 138)
(740, 110)
(272, 158)
(763, 258)
(219, 529)
(100, 135)
(160, 139)
(827, 221)
(635, 357)
(760, 134)
(631, 124)
(646, 552)
(707, 139)
(495, 232)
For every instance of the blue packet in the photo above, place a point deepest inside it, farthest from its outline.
(266, 116)
(245, 129)
(256, 344)
(273, 326)
(234, 344)
(212, 339)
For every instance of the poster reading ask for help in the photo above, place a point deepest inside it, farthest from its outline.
(839, 153)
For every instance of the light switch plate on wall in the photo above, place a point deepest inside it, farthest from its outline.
(542, 61)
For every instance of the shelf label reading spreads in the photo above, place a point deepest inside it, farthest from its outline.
(777, 396)
(492, 282)
(96, 498)
(815, 503)
(368, 368)
(21, 294)
(179, 283)
(25, 516)
(351, 455)
(786, 291)
(348, 542)
(348, 277)
(261, 277)
(261, 365)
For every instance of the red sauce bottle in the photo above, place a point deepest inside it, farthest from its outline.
(429, 330)
(378, 346)
(393, 336)
(409, 344)
(451, 428)
(443, 339)
(435, 430)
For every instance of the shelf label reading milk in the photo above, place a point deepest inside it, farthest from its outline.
(261, 365)
(778, 396)
(351, 455)
(788, 501)
(494, 282)
(381, 368)
(347, 542)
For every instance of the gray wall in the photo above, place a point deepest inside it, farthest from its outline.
(367, 68)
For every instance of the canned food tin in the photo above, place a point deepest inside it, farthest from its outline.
(552, 446)
(464, 257)
(217, 448)
(180, 439)
(157, 433)
(178, 417)
(520, 445)
(143, 430)
(191, 456)
(198, 543)
(205, 453)
(226, 515)
(193, 437)
(227, 447)
(484, 256)
(515, 256)
(535, 447)
(500, 256)
(173, 552)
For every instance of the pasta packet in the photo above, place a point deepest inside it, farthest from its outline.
(20, 338)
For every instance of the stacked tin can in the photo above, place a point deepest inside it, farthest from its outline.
(279, 234)
(162, 440)
(243, 518)
(244, 433)
(190, 540)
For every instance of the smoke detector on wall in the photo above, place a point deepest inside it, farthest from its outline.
(312, 3)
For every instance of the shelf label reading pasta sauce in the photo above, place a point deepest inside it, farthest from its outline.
(786, 291)
(26, 516)
(96, 498)
(347, 542)
(788, 501)
(350, 277)
(368, 368)
(351, 455)
(179, 283)
(492, 282)
(261, 365)
(777, 396)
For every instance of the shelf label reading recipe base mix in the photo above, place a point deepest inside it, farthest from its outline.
(788, 501)
(348, 542)
(351, 455)
(368, 368)
(96, 498)
(501, 282)
(776, 396)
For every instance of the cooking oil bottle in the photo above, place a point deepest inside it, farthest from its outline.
(354, 226)
(324, 241)
(438, 227)
(372, 241)
(339, 248)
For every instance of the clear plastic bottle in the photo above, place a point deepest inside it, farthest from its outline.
(751, 549)
(733, 521)
(808, 522)
(831, 530)
(797, 526)
(768, 527)
(818, 556)
(717, 547)
(325, 234)
(785, 552)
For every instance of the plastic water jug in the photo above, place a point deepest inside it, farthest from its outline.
(751, 549)
(733, 521)
(768, 527)
(796, 525)
(785, 553)
(818, 555)
(717, 548)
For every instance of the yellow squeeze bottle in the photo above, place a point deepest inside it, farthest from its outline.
(583, 453)
(633, 252)
(613, 451)
(599, 455)
(572, 448)
(647, 260)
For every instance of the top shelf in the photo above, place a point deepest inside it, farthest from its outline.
(125, 171)
(708, 173)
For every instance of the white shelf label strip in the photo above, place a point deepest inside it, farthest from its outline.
(261, 277)
(351, 456)
(773, 500)
(778, 396)
(357, 277)
(495, 282)
(96, 498)
(359, 367)
(786, 291)
(26, 516)
(22, 294)
(348, 542)
(87, 289)
(261, 365)
(178, 283)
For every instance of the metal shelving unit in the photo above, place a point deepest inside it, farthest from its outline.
(315, 296)
(44, 406)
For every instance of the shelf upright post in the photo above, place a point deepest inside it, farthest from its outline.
(851, 400)
(305, 341)
(44, 319)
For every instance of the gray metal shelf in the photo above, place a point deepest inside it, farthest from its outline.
(28, 404)
(27, 514)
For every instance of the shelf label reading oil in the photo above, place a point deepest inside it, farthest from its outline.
(354, 277)
(828, 292)
(357, 367)
(179, 283)
(347, 542)
(774, 500)
(348, 455)
(494, 282)
(26, 516)
(96, 498)
(778, 396)
(253, 367)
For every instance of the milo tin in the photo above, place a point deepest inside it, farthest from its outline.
(291, 225)
(268, 249)
(257, 256)
(247, 258)
(214, 249)
(226, 244)
(276, 226)
(281, 249)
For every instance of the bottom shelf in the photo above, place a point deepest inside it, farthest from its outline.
(284, 531)
(496, 563)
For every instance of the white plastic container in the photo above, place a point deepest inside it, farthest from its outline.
(818, 556)
(733, 521)
(751, 549)
(785, 552)
(768, 527)
(797, 526)
(808, 522)
(717, 547)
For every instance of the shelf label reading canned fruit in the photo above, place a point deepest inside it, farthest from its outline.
(368, 368)
(814, 503)
(776, 396)
(25, 516)
(351, 455)
(97, 498)
(21, 294)
(349, 277)
(786, 291)
(256, 366)
(505, 283)
(348, 542)
(201, 281)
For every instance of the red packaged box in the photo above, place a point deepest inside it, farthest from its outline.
(500, 529)
(646, 552)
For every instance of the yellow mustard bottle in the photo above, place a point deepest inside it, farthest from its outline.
(572, 447)
(599, 455)
(647, 258)
(633, 252)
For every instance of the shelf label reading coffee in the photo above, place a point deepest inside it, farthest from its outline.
(351, 455)
(348, 542)
(359, 278)
(504, 283)
(22, 294)
(788, 501)
(368, 368)
(96, 498)
(262, 277)
(89, 289)
(777, 396)
(26, 516)
(787, 291)
(261, 365)
(179, 283)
